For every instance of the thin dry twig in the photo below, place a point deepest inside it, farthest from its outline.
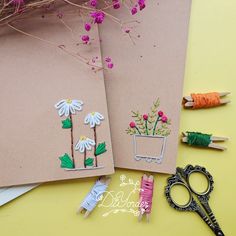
(61, 47)
(12, 11)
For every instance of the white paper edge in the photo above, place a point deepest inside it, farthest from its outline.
(10, 193)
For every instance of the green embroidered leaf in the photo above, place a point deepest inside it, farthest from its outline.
(101, 148)
(66, 124)
(168, 122)
(89, 161)
(131, 131)
(66, 161)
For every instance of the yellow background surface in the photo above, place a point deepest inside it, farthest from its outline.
(211, 66)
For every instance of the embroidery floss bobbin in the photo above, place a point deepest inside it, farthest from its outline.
(145, 196)
(202, 140)
(93, 197)
(205, 100)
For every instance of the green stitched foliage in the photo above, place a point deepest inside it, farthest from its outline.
(66, 161)
(152, 126)
(89, 161)
(153, 114)
(101, 148)
(139, 122)
(66, 124)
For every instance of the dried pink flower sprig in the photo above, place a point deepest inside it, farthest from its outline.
(93, 13)
(109, 62)
(140, 4)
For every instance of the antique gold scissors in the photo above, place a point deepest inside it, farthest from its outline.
(182, 178)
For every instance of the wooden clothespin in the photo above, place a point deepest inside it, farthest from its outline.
(94, 196)
(205, 100)
(145, 197)
(203, 140)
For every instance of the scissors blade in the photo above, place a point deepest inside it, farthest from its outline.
(208, 210)
(202, 214)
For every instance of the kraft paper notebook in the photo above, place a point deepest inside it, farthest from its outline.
(145, 88)
(54, 122)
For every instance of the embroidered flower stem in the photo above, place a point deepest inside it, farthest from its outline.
(146, 126)
(72, 140)
(155, 125)
(95, 146)
(137, 130)
(85, 152)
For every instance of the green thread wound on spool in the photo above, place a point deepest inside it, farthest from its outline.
(198, 139)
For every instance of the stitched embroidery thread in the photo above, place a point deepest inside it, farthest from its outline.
(67, 108)
(154, 124)
(94, 119)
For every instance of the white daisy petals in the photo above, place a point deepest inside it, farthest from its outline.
(84, 143)
(72, 110)
(93, 119)
(60, 104)
(67, 107)
(100, 116)
(61, 111)
(91, 142)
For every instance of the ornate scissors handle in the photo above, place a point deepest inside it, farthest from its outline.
(182, 178)
(205, 196)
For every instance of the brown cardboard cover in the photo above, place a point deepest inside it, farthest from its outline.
(152, 68)
(34, 77)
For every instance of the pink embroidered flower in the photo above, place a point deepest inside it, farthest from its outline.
(132, 124)
(85, 38)
(145, 117)
(134, 10)
(110, 65)
(160, 113)
(164, 119)
(93, 3)
(98, 16)
(87, 26)
(116, 4)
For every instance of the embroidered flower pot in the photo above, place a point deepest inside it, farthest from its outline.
(150, 132)
(149, 148)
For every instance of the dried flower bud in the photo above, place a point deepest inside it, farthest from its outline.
(116, 4)
(85, 38)
(134, 10)
(110, 65)
(87, 26)
(93, 3)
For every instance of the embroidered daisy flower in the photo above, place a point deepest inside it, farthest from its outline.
(93, 118)
(84, 144)
(66, 107)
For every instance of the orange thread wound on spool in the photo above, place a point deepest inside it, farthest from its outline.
(205, 100)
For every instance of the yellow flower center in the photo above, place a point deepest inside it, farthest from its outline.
(82, 138)
(68, 101)
(93, 113)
